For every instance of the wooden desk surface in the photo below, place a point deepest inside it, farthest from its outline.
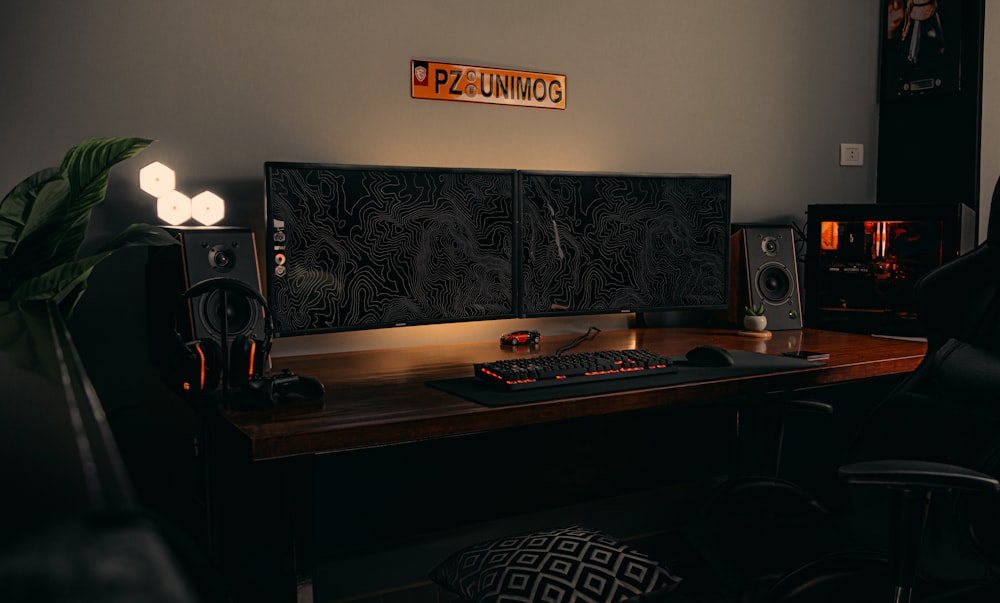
(380, 397)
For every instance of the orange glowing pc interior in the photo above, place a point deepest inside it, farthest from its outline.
(862, 261)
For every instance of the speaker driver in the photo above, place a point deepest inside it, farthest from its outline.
(774, 282)
(238, 312)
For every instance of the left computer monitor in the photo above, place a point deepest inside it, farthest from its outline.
(359, 247)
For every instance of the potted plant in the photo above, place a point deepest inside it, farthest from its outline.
(754, 320)
(43, 221)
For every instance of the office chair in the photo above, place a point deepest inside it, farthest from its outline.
(863, 575)
(757, 525)
(945, 412)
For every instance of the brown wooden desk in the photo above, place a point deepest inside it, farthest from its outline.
(379, 401)
(376, 398)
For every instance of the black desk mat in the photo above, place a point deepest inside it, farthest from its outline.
(746, 364)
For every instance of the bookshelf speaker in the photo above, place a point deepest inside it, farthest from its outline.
(763, 272)
(202, 254)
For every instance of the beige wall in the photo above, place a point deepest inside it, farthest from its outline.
(763, 90)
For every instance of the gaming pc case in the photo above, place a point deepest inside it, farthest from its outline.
(862, 261)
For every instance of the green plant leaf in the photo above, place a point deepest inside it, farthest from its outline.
(58, 282)
(86, 167)
(66, 283)
(141, 234)
(73, 296)
(30, 252)
(17, 206)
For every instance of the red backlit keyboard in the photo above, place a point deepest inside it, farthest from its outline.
(528, 372)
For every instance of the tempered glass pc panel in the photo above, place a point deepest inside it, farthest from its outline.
(865, 284)
(369, 247)
(874, 264)
(604, 243)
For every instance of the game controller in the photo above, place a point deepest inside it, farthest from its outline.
(288, 384)
(284, 386)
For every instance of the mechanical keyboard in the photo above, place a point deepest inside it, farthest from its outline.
(528, 372)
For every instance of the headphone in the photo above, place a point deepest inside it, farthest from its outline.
(200, 365)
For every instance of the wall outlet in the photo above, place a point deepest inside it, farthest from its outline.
(852, 153)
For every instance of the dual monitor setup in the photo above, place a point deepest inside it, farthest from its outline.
(361, 247)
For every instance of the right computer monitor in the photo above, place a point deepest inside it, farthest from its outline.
(863, 260)
(595, 243)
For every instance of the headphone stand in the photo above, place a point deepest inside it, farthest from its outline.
(224, 343)
(196, 372)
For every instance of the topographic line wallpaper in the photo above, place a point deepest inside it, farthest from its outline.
(371, 247)
(599, 243)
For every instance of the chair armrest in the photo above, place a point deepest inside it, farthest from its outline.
(808, 406)
(907, 474)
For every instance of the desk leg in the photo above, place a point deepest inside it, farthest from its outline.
(299, 497)
(258, 519)
(205, 449)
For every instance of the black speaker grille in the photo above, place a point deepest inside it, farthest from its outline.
(774, 283)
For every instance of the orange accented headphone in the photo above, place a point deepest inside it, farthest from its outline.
(201, 364)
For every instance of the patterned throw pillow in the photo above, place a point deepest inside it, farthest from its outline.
(564, 565)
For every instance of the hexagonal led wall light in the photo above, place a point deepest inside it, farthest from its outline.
(157, 179)
(174, 207)
(207, 207)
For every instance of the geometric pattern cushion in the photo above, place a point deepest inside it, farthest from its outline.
(563, 565)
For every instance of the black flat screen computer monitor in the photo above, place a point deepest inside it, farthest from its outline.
(605, 243)
(358, 247)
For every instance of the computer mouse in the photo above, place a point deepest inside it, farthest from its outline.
(709, 355)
